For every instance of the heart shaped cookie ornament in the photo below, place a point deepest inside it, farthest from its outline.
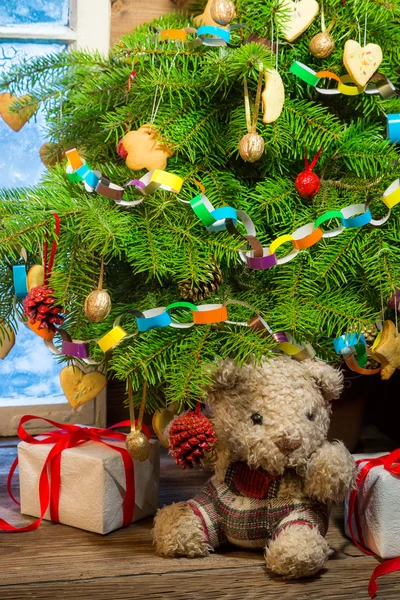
(80, 387)
(273, 96)
(35, 277)
(297, 17)
(144, 150)
(7, 339)
(15, 120)
(361, 62)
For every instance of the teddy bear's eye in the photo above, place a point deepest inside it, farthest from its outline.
(310, 416)
(257, 419)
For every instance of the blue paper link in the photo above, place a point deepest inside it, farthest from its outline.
(144, 324)
(225, 212)
(358, 221)
(20, 283)
(393, 128)
(217, 31)
(346, 342)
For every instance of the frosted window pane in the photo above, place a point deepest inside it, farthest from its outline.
(17, 12)
(29, 371)
(20, 162)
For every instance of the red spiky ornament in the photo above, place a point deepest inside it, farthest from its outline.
(39, 306)
(191, 435)
(308, 183)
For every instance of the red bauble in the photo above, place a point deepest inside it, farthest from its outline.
(39, 306)
(191, 435)
(307, 184)
(121, 150)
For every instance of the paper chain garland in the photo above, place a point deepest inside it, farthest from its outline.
(226, 218)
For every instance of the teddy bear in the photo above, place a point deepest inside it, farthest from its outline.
(275, 473)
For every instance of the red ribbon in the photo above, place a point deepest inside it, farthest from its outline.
(313, 162)
(390, 462)
(49, 268)
(70, 436)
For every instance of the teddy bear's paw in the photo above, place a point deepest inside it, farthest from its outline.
(298, 551)
(179, 532)
(330, 473)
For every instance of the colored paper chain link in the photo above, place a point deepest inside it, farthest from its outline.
(226, 218)
(351, 345)
(378, 84)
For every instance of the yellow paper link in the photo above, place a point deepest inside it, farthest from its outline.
(288, 348)
(376, 343)
(168, 180)
(392, 198)
(282, 239)
(112, 338)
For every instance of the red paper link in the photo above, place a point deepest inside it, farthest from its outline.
(391, 463)
(70, 436)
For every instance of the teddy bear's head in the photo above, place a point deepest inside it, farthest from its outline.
(273, 415)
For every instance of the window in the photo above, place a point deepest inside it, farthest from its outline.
(29, 376)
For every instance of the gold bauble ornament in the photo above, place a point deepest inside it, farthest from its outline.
(222, 11)
(322, 45)
(251, 147)
(138, 445)
(97, 306)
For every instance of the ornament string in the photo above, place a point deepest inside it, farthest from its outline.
(155, 107)
(251, 123)
(49, 267)
(101, 277)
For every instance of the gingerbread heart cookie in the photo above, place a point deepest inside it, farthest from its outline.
(298, 17)
(144, 150)
(361, 62)
(80, 387)
(15, 120)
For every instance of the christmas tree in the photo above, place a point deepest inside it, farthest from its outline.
(198, 92)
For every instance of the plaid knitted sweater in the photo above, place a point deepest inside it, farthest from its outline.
(247, 510)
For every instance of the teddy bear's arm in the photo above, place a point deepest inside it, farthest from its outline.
(330, 473)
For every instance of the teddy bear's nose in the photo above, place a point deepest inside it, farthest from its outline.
(287, 445)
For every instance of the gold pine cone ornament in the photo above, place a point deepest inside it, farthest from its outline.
(251, 147)
(322, 45)
(222, 11)
(97, 306)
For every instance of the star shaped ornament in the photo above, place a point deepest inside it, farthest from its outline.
(388, 350)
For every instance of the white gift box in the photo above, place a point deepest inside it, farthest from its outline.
(92, 484)
(378, 509)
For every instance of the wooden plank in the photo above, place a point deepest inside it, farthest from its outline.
(62, 562)
(128, 14)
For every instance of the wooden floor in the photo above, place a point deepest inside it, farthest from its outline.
(61, 562)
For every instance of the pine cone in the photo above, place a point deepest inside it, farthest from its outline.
(190, 436)
(39, 307)
(369, 333)
(203, 290)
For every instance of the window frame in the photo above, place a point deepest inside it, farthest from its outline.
(88, 28)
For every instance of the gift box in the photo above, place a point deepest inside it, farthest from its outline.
(83, 477)
(376, 516)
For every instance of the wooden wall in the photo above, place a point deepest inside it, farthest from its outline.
(127, 14)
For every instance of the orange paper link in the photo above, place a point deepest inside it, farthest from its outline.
(329, 75)
(206, 317)
(308, 240)
(351, 363)
(174, 34)
(74, 159)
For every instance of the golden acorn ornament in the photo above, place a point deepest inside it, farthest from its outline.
(251, 147)
(222, 11)
(138, 445)
(322, 45)
(97, 305)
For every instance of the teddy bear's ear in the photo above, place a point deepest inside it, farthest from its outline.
(328, 379)
(224, 376)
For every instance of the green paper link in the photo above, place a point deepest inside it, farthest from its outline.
(362, 357)
(182, 305)
(330, 214)
(201, 211)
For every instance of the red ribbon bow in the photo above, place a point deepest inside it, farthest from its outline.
(70, 436)
(390, 462)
